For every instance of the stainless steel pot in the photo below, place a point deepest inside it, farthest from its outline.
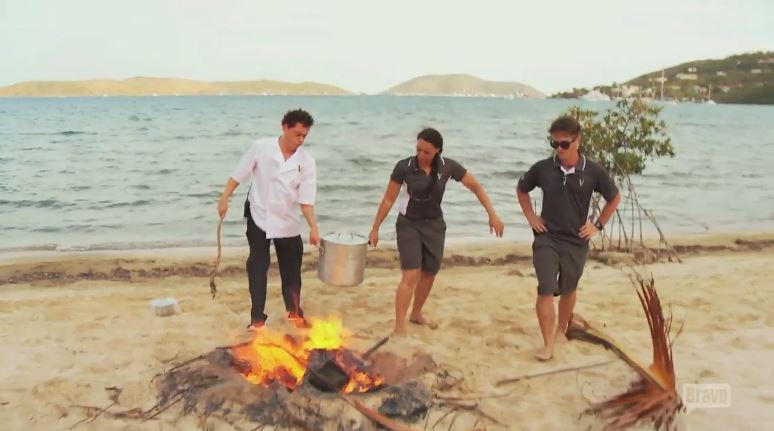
(342, 259)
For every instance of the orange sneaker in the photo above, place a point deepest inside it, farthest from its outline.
(256, 326)
(299, 321)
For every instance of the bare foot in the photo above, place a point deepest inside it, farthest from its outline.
(545, 354)
(420, 320)
(560, 338)
(400, 331)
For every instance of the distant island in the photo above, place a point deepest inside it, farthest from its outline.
(743, 78)
(462, 85)
(165, 87)
(428, 85)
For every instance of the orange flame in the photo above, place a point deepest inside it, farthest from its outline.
(277, 358)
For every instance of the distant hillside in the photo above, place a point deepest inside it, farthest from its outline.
(743, 78)
(164, 87)
(462, 85)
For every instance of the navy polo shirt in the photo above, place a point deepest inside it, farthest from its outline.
(421, 194)
(567, 196)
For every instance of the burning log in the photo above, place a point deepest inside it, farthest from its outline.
(654, 396)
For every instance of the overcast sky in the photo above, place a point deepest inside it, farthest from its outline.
(367, 46)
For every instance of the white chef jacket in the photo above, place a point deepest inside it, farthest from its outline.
(278, 186)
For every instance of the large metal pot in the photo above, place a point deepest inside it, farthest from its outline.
(342, 259)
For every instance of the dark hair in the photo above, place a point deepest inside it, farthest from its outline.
(294, 117)
(567, 124)
(434, 137)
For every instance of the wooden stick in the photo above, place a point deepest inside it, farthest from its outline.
(474, 397)
(233, 346)
(374, 415)
(451, 424)
(550, 373)
(460, 404)
(375, 347)
(213, 288)
(176, 399)
(184, 363)
(366, 411)
(661, 235)
(452, 410)
(92, 418)
(472, 407)
(427, 416)
(495, 421)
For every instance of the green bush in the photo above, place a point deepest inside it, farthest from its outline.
(625, 137)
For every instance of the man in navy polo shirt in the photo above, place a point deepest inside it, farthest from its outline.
(563, 229)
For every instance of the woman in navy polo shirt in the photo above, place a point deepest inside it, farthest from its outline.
(418, 182)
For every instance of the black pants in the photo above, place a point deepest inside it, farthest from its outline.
(289, 254)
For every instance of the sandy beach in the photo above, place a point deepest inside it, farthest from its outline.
(73, 324)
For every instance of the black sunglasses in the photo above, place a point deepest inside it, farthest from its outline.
(564, 144)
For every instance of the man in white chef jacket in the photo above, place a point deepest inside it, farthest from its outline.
(284, 178)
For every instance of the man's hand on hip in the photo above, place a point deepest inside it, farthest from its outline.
(536, 223)
(588, 230)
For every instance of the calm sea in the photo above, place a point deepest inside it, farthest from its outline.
(124, 172)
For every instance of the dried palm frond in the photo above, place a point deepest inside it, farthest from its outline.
(654, 396)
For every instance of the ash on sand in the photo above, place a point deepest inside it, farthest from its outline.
(409, 402)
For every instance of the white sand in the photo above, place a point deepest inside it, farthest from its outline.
(63, 343)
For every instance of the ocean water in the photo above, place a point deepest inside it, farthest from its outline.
(125, 172)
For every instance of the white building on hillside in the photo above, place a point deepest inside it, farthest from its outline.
(595, 96)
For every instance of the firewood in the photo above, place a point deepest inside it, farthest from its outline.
(471, 407)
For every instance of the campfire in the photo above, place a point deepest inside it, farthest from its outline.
(321, 359)
(287, 381)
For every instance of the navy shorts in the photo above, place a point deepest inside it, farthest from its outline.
(420, 243)
(558, 264)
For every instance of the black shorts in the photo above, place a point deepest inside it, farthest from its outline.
(558, 264)
(420, 243)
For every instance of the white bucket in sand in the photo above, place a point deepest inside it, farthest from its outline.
(165, 306)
